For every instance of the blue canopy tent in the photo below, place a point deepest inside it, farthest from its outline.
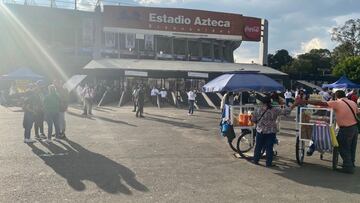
(242, 81)
(342, 83)
(22, 74)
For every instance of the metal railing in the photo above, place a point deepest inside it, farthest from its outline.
(82, 5)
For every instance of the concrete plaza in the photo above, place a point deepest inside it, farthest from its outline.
(165, 157)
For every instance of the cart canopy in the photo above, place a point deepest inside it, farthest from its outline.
(242, 81)
(342, 83)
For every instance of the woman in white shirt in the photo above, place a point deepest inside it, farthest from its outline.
(191, 98)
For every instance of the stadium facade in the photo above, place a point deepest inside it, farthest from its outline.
(167, 47)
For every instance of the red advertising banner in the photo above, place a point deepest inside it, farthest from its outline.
(183, 21)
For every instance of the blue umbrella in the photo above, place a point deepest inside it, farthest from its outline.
(22, 74)
(242, 81)
(343, 82)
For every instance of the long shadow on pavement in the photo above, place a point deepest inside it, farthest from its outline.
(77, 164)
(175, 123)
(101, 118)
(318, 176)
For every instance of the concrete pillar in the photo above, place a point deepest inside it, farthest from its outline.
(212, 47)
(98, 33)
(221, 52)
(263, 49)
(201, 54)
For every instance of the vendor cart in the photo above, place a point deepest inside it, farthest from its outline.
(316, 127)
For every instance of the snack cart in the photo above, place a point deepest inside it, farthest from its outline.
(316, 127)
(241, 81)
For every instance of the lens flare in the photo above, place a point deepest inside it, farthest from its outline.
(27, 37)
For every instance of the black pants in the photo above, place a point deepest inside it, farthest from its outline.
(140, 109)
(191, 106)
(347, 139)
(39, 123)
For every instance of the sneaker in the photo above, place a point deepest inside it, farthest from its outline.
(48, 140)
(37, 137)
(29, 141)
(141, 116)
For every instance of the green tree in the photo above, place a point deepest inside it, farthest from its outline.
(341, 52)
(320, 60)
(298, 66)
(279, 59)
(350, 67)
(348, 34)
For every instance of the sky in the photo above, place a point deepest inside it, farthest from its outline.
(295, 25)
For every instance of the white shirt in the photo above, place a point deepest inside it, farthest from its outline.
(163, 93)
(154, 92)
(288, 95)
(191, 95)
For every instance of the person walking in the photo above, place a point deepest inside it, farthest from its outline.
(39, 113)
(288, 97)
(191, 99)
(163, 94)
(154, 96)
(88, 94)
(140, 102)
(29, 108)
(345, 111)
(64, 102)
(265, 118)
(52, 107)
(135, 95)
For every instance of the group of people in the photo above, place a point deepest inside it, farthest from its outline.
(346, 111)
(45, 105)
(158, 97)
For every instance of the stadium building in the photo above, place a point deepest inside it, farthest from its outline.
(172, 48)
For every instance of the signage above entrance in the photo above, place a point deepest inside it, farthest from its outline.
(198, 75)
(182, 23)
(136, 73)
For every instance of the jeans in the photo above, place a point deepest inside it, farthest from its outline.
(53, 119)
(39, 123)
(347, 139)
(28, 123)
(191, 106)
(264, 141)
(62, 122)
(287, 101)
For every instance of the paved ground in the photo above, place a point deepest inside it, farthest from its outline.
(166, 157)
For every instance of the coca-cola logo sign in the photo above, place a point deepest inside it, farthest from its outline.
(252, 29)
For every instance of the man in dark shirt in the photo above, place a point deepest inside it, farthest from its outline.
(140, 102)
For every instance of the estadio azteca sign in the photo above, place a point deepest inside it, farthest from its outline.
(182, 22)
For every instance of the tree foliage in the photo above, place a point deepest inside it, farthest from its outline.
(314, 62)
(350, 66)
(349, 36)
(279, 59)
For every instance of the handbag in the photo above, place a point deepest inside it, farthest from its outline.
(225, 127)
(334, 141)
(356, 118)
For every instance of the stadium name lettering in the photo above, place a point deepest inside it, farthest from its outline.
(182, 20)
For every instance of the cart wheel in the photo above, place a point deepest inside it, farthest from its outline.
(245, 143)
(335, 158)
(232, 144)
(300, 151)
(321, 156)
